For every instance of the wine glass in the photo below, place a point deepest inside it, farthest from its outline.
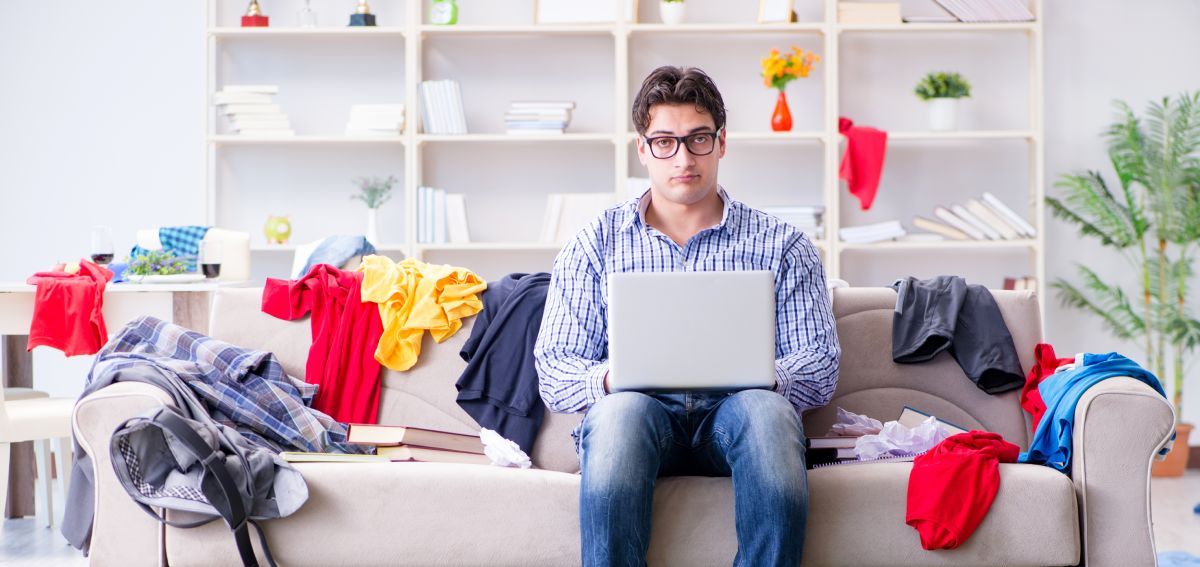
(209, 256)
(307, 17)
(102, 245)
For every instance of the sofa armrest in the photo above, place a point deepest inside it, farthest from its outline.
(122, 533)
(1120, 423)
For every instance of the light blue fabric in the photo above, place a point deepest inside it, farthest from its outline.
(1178, 559)
(335, 251)
(1051, 444)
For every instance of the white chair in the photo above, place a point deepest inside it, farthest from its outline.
(30, 415)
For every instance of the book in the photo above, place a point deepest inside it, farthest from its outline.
(994, 221)
(430, 455)
(886, 459)
(939, 228)
(970, 217)
(394, 435)
(304, 457)
(439, 215)
(252, 109)
(1009, 215)
(457, 229)
(830, 442)
(221, 99)
(540, 105)
(911, 417)
(262, 89)
(949, 218)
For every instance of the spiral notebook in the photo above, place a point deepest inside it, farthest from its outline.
(887, 459)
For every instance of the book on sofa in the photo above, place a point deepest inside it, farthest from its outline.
(305, 457)
(429, 455)
(384, 435)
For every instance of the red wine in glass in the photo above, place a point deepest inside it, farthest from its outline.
(102, 258)
(211, 270)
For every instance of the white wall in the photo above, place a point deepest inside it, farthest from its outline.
(99, 104)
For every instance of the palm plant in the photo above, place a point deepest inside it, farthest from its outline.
(1153, 221)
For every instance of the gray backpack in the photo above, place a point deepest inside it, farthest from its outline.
(169, 461)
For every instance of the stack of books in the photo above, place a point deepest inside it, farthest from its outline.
(441, 217)
(976, 11)
(820, 451)
(399, 443)
(442, 108)
(986, 218)
(251, 110)
(806, 218)
(1021, 283)
(530, 117)
(376, 120)
(869, 12)
(868, 233)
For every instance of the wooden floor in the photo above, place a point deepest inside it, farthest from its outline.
(26, 542)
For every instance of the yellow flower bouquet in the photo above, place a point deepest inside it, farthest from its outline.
(778, 70)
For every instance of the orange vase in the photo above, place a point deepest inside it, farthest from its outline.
(781, 120)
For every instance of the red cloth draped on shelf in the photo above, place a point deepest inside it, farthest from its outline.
(862, 162)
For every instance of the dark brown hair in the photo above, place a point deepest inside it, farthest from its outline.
(677, 85)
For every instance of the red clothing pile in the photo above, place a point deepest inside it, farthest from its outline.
(68, 309)
(345, 332)
(1044, 364)
(951, 488)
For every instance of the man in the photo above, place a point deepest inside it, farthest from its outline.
(687, 222)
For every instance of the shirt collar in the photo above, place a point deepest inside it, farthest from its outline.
(728, 220)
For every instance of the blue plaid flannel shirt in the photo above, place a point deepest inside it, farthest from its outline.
(184, 241)
(244, 389)
(572, 348)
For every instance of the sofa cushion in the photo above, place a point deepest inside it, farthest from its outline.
(479, 515)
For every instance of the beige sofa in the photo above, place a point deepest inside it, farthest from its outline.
(437, 514)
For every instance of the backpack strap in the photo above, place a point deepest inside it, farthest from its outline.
(224, 494)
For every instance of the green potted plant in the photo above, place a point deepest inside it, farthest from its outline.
(671, 11)
(1153, 221)
(374, 192)
(942, 89)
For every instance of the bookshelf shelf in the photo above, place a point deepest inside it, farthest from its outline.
(515, 138)
(232, 32)
(291, 248)
(430, 30)
(959, 27)
(511, 71)
(732, 29)
(941, 245)
(235, 139)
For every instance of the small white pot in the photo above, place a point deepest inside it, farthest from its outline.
(373, 226)
(671, 12)
(943, 114)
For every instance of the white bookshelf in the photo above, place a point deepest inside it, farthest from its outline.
(421, 51)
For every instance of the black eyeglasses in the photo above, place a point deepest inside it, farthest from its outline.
(699, 144)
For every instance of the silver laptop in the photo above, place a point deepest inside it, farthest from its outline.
(691, 330)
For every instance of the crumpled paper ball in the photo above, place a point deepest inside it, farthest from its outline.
(503, 452)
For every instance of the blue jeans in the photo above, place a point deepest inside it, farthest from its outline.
(629, 439)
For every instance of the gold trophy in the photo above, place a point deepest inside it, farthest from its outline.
(254, 17)
(362, 15)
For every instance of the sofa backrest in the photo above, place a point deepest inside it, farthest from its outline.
(869, 382)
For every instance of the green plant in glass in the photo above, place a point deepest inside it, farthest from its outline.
(943, 84)
(374, 191)
(1153, 220)
(157, 263)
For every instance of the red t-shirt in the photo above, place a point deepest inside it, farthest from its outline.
(68, 309)
(345, 333)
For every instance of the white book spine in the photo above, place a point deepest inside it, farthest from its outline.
(962, 213)
(987, 216)
(949, 218)
(460, 113)
(1009, 215)
(439, 215)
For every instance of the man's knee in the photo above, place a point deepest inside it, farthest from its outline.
(762, 412)
(625, 425)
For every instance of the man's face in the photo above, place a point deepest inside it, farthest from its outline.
(684, 178)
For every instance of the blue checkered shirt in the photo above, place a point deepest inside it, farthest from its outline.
(184, 241)
(572, 347)
(244, 389)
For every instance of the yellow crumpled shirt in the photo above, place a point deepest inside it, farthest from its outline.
(414, 297)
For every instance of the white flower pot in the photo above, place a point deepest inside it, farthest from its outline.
(671, 12)
(943, 114)
(373, 226)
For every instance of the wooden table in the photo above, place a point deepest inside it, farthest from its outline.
(187, 303)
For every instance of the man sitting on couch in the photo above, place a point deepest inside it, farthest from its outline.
(687, 222)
